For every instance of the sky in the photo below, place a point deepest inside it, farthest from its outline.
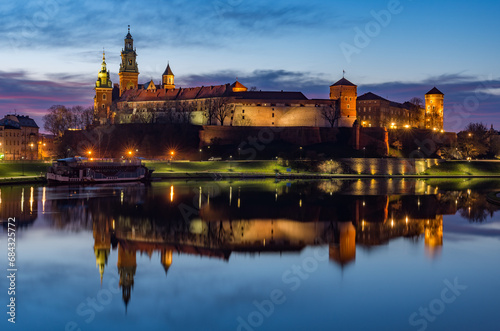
(398, 49)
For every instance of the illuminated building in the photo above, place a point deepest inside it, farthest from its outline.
(434, 106)
(102, 243)
(126, 268)
(163, 102)
(103, 92)
(18, 138)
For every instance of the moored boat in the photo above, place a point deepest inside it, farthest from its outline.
(82, 170)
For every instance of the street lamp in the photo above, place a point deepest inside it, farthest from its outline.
(201, 152)
(230, 159)
(171, 158)
(300, 152)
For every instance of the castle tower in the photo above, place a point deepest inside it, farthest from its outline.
(103, 93)
(434, 236)
(102, 243)
(126, 268)
(129, 72)
(346, 93)
(434, 107)
(166, 259)
(168, 78)
(345, 251)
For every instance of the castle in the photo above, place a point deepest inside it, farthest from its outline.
(235, 105)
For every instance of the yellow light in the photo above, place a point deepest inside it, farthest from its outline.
(172, 153)
(89, 152)
(407, 126)
(129, 152)
(171, 193)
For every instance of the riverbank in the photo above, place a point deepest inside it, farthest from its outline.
(34, 172)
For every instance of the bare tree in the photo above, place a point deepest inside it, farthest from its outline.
(58, 120)
(331, 114)
(223, 109)
(209, 110)
(417, 113)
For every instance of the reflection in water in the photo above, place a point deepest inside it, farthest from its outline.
(208, 222)
(13, 204)
(215, 220)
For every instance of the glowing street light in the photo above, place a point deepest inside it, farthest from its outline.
(171, 159)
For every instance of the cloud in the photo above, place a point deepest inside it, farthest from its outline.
(19, 93)
(64, 23)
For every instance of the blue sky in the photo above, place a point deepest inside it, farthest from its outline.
(397, 49)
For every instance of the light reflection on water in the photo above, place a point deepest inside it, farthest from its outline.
(330, 255)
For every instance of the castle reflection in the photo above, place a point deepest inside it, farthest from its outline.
(217, 220)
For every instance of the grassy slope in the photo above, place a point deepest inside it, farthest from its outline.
(260, 167)
(464, 168)
(16, 169)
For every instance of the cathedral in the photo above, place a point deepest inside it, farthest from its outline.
(236, 105)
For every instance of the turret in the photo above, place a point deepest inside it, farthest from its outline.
(434, 107)
(168, 78)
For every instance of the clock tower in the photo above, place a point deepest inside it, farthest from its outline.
(129, 72)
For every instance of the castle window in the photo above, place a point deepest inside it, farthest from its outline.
(243, 111)
(345, 98)
(104, 97)
(273, 123)
(348, 106)
(242, 117)
(102, 106)
(350, 99)
(273, 114)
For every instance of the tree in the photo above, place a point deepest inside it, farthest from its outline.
(417, 113)
(223, 109)
(58, 120)
(81, 117)
(217, 109)
(474, 141)
(209, 110)
(331, 114)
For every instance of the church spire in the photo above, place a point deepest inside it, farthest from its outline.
(168, 78)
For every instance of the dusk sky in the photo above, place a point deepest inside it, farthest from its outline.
(397, 49)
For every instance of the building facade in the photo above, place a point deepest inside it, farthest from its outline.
(375, 111)
(18, 138)
(236, 105)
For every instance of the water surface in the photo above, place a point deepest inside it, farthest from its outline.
(256, 255)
